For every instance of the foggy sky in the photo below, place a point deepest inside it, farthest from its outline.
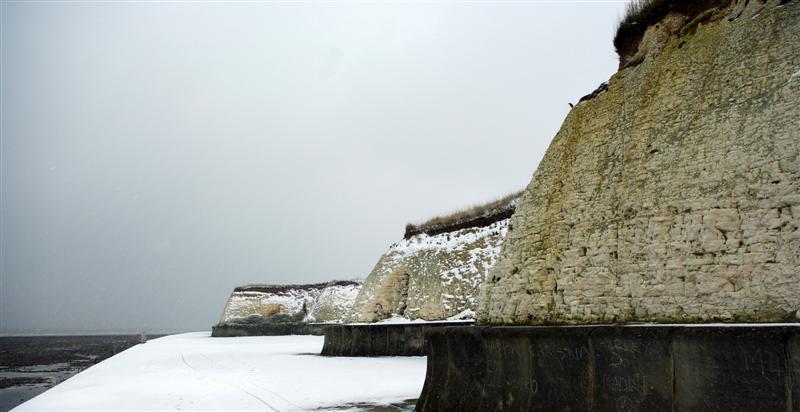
(156, 155)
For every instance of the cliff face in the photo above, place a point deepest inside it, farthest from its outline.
(430, 277)
(323, 302)
(334, 303)
(674, 196)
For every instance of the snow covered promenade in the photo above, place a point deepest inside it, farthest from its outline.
(193, 371)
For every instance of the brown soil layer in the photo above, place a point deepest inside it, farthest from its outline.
(287, 288)
(480, 221)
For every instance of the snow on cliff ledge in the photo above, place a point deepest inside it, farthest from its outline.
(431, 277)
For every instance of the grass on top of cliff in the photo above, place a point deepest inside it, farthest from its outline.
(641, 14)
(479, 215)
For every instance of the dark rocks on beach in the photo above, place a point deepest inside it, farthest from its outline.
(29, 365)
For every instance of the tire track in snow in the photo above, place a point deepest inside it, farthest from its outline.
(296, 406)
(254, 396)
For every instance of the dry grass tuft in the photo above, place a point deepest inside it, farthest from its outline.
(463, 218)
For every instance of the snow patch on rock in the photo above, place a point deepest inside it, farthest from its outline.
(329, 303)
(431, 277)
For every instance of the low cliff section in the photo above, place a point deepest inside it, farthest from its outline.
(670, 195)
(255, 310)
(435, 271)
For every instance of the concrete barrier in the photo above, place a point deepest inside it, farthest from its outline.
(266, 329)
(613, 368)
(380, 339)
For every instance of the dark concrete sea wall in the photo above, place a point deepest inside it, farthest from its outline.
(388, 339)
(266, 329)
(613, 368)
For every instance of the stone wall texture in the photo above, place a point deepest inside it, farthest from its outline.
(384, 339)
(603, 368)
(430, 277)
(674, 196)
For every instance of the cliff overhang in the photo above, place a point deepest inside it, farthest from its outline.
(642, 15)
(649, 24)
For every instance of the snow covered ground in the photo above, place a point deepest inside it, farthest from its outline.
(193, 371)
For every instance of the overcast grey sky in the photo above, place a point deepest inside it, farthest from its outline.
(156, 155)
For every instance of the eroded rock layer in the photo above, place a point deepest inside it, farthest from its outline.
(322, 302)
(674, 195)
